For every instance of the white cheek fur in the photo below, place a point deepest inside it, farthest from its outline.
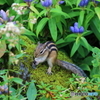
(40, 59)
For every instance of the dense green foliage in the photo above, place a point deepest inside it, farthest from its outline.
(74, 26)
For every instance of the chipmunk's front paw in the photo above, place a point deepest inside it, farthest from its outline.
(49, 72)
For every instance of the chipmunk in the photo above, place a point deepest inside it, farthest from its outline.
(48, 52)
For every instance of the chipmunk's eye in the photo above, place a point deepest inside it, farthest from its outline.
(41, 51)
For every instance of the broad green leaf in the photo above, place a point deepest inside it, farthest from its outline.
(28, 32)
(43, 12)
(74, 48)
(18, 46)
(9, 2)
(95, 26)
(31, 14)
(19, 55)
(31, 92)
(81, 51)
(85, 67)
(53, 28)
(81, 17)
(59, 25)
(23, 4)
(56, 11)
(71, 36)
(2, 47)
(2, 2)
(16, 1)
(88, 19)
(41, 25)
(3, 71)
(97, 10)
(85, 43)
(74, 14)
(60, 41)
(34, 10)
(16, 80)
(88, 60)
(77, 3)
(86, 33)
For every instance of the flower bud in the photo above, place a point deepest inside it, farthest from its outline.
(72, 28)
(76, 29)
(76, 24)
(3, 15)
(46, 3)
(61, 2)
(28, 0)
(81, 29)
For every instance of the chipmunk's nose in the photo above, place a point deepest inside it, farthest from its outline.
(34, 64)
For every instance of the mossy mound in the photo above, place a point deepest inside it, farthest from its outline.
(60, 76)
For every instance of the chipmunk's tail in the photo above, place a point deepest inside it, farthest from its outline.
(72, 67)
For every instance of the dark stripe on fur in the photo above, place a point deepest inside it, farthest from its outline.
(53, 49)
(48, 43)
(52, 45)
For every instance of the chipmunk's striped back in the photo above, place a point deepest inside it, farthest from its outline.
(51, 46)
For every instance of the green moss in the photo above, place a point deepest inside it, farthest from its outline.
(60, 76)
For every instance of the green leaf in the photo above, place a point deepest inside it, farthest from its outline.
(34, 9)
(81, 51)
(9, 2)
(88, 19)
(57, 11)
(16, 80)
(2, 47)
(53, 28)
(81, 17)
(31, 92)
(2, 2)
(3, 71)
(17, 1)
(18, 46)
(43, 12)
(28, 32)
(95, 27)
(75, 48)
(85, 67)
(74, 14)
(59, 25)
(31, 14)
(41, 25)
(97, 10)
(88, 60)
(77, 3)
(71, 36)
(85, 43)
(19, 55)
(86, 33)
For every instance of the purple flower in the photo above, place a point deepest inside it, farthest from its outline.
(96, 1)
(83, 3)
(76, 28)
(76, 24)
(0, 92)
(46, 3)
(0, 23)
(3, 15)
(81, 29)
(72, 28)
(61, 2)
(28, 0)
